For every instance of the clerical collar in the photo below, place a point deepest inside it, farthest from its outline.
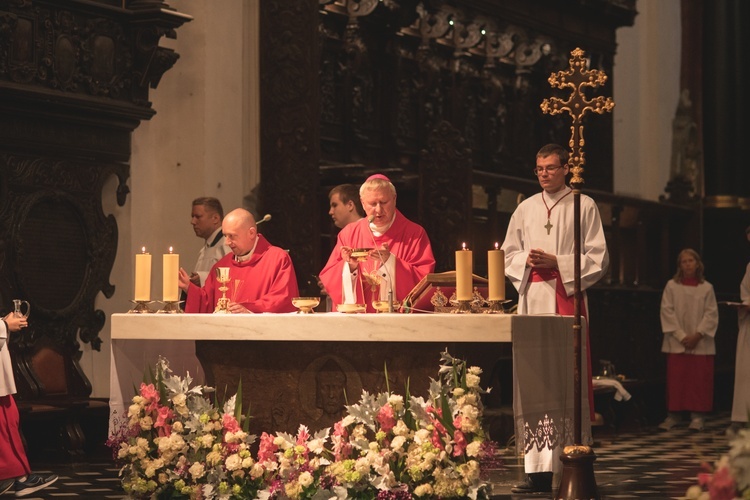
(246, 257)
(215, 237)
(557, 194)
(380, 230)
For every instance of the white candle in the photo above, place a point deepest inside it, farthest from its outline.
(170, 285)
(143, 276)
(496, 274)
(464, 273)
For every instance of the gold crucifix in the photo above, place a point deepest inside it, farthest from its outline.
(576, 78)
(548, 226)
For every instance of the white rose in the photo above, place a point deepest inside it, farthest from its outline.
(473, 449)
(196, 470)
(472, 381)
(398, 442)
(396, 402)
(233, 462)
(305, 479)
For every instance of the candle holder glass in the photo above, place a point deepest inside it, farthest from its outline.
(171, 307)
(141, 307)
(222, 276)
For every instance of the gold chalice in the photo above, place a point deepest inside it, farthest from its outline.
(305, 304)
(222, 276)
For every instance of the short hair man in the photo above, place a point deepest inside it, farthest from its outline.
(345, 206)
(261, 275)
(399, 248)
(539, 261)
(206, 217)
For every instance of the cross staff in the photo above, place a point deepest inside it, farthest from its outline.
(576, 78)
(578, 474)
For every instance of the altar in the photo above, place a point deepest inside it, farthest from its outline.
(302, 368)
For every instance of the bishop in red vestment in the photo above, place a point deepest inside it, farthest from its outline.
(398, 251)
(261, 276)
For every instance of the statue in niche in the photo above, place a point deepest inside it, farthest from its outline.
(685, 176)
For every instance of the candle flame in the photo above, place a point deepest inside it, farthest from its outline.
(463, 245)
(143, 250)
(496, 246)
(170, 248)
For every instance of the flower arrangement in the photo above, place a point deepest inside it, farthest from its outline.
(178, 444)
(730, 478)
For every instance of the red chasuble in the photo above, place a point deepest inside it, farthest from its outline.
(264, 283)
(406, 240)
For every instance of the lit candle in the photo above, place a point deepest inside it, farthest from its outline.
(463, 273)
(170, 285)
(496, 274)
(143, 276)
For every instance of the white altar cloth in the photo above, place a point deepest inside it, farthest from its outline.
(139, 339)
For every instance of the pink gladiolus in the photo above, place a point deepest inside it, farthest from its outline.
(266, 449)
(459, 443)
(302, 435)
(230, 423)
(386, 418)
(163, 418)
(149, 393)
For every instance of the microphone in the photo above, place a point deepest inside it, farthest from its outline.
(387, 272)
(265, 218)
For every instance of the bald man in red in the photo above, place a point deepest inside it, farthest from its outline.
(261, 276)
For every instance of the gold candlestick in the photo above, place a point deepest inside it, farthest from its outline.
(222, 276)
(141, 307)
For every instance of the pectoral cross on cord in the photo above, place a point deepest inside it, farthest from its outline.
(549, 226)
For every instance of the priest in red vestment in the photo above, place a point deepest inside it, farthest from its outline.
(261, 276)
(398, 251)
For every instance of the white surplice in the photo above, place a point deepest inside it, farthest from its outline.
(527, 230)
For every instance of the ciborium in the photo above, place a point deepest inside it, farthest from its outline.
(222, 276)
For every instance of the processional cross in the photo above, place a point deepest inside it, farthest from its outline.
(578, 473)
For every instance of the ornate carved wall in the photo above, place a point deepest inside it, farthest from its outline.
(74, 83)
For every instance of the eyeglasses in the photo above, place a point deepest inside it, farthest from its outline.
(548, 170)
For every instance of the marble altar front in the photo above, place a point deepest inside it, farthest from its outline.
(301, 369)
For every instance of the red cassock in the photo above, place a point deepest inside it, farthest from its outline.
(264, 283)
(406, 240)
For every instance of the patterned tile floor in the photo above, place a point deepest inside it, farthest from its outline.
(635, 464)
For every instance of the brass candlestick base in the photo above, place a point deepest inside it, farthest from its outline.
(496, 307)
(464, 307)
(141, 307)
(171, 307)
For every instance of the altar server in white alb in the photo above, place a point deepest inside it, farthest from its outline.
(539, 255)
(689, 319)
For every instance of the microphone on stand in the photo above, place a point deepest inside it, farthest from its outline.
(265, 218)
(370, 220)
